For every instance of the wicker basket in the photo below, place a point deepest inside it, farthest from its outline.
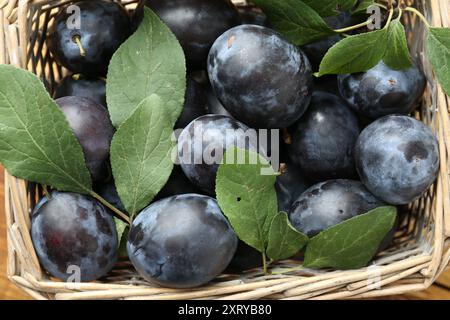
(420, 253)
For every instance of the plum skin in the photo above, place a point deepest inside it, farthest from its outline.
(91, 88)
(329, 203)
(195, 103)
(323, 140)
(196, 24)
(397, 158)
(259, 77)
(213, 133)
(93, 129)
(74, 230)
(382, 91)
(181, 242)
(105, 25)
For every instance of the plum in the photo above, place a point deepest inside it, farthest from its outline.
(329, 203)
(181, 242)
(195, 103)
(104, 26)
(323, 140)
(253, 15)
(202, 144)
(196, 24)
(92, 127)
(382, 91)
(72, 230)
(397, 158)
(177, 184)
(80, 86)
(259, 77)
(108, 191)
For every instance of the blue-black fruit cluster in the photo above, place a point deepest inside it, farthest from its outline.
(181, 242)
(80, 86)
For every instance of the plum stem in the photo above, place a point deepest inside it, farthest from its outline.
(119, 213)
(419, 14)
(77, 40)
(46, 193)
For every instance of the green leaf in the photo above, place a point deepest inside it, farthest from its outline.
(247, 197)
(122, 236)
(327, 8)
(438, 50)
(355, 53)
(295, 20)
(141, 154)
(397, 53)
(36, 142)
(284, 240)
(362, 7)
(350, 244)
(150, 62)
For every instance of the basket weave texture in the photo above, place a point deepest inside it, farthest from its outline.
(420, 253)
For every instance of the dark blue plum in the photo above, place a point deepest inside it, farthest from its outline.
(323, 140)
(177, 184)
(329, 203)
(72, 230)
(195, 103)
(104, 26)
(80, 86)
(196, 24)
(397, 158)
(260, 78)
(181, 242)
(253, 15)
(382, 91)
(208, 136)
(92, 127)
(214, 105)
(289, 186)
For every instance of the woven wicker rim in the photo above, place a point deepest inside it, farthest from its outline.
(422, 245)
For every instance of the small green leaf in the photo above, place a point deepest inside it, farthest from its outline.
(295, 20)
(438, 50)
(247, 198)
(122, 236)
(355, 53)
(350, 244)
(397, 53)
(36, 142)
(362, 6)
(327, 8)
(284, 240)
(150, 62)
(141, 154)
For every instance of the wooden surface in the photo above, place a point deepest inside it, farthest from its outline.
(9, 291)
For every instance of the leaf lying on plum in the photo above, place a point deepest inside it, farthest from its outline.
(247, 198)
(350, 244)
(122, 236)
(141, 154)
(150, 62)
(36, 142)
(295, 20)
(355, 53)
(397, 55)
(284, 240)
(438, 50)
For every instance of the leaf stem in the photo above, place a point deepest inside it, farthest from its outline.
(119, 213)
(264, 260)
(356, 26)
(46, 193)
(419, 14)
(388, 22)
